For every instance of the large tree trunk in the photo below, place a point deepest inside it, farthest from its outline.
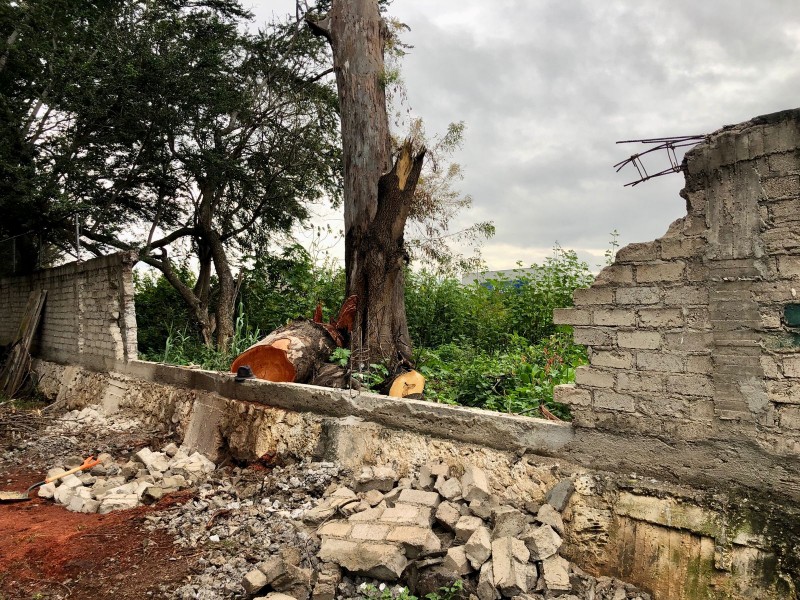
(377, 195)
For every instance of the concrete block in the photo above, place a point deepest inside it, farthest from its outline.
(416, 541)
(509, 558)
(335, 529)
(479, 547)
(556, 574)
(374, 532)
(791, 366)
(614, 317)
(548, 515)
(585, 375)
(660, 317)
(614, 274)
(660, 362)
(408, 514)
(420, 497)
(592, 296)
(690, 385)
(449, 488)
(254, 581)
(465, 527)
(456, 561)
(542, 542)
(376, 478)
(617, 359)
(508, 522)
(645, 340)
(448, 514)
(640, 382)
(685, 295)
(572, 395)
(475, 484)
(672, 271)
(638, 295)
(486, 589)
(592, 336)
(638, 252)
(381, 561)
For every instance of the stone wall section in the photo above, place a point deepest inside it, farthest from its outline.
(89, 316)
(696, 335)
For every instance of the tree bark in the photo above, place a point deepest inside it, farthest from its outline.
(377, 194)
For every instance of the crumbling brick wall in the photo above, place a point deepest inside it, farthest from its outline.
(696, 336)
(89, 316)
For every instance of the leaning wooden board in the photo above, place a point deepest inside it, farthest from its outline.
(18, 363)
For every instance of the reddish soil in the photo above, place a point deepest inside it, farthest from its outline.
(49, 552)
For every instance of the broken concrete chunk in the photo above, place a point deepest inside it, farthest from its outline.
(408, 514)
(55, 472)
(474, 484)
(542, 542)
(373, 497)
(170, 450)
(559, 495)
(465, 527)
(118, 502)
(425, 480)
(479, 547)
(254, 581)
(548, 515)
(484, 508)
(556, 573)
(48, 490)
(328, 578)
(486, 589)
(70, 481)
(456, 561)
(449, 488)
(276, 596)
(371, 514)
(376, 478)
(272, 568)
(416, 541)
(508, 522)
(448, 514)
(381, 561)
(509, 560)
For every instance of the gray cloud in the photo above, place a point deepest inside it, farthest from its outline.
(546, 88)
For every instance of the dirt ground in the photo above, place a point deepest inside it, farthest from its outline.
(48, 552)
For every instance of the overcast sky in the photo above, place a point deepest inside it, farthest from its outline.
(546, 88)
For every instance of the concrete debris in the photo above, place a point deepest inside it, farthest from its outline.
(559, 495)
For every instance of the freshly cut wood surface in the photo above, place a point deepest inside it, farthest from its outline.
(288, 354)
(407, 384)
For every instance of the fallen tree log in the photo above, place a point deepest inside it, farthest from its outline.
(409, 383)
(296, 352)
(289, 354)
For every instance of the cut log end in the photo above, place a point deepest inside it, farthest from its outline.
(268, 363)
(407, 384)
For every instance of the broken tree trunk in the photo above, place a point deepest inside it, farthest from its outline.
(289, 354)
(377, 193)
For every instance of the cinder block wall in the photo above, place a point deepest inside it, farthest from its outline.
(696, 335)
(89, 316)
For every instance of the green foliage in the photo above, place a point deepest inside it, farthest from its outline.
(340, 357)
(160, 311)
(384, 592)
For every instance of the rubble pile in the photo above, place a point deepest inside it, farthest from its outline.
(430, 531)
(110, 486)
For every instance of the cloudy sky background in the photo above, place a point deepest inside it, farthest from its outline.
(546, 88)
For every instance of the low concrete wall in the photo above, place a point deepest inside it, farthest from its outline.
(677, 543)
(89, 316)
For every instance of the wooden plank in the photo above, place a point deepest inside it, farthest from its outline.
(18, 363)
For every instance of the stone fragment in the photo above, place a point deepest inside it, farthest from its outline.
(295, 582)
(254, 581)
(72, 461)
(548, 515)
(456, 561)
(335, 529)
(449, 488)
(118, 502)
(559, 495)
(373, 497)
(272, 568)
(425, 481)
(381, 561)
(448, 514)
(556, 573)
(484, 508)
(479, 547)
(508, 522)
(439, 469)
(70, 481)
(465, 527)
(352, 508)
(375, 478)
(375, 532)
(153, 493)
(416, 541)
(509, 563)
(486, 589)
(371, 514)
(474, 484)
(170, 449)
(63, 494)
(55, 472)
(328, 578)
(542, 542)
(421, 497)
(48, 490)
